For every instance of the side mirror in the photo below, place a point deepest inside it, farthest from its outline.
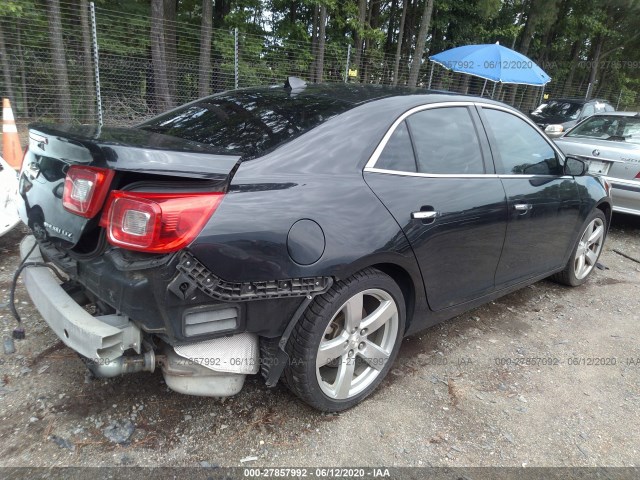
(574, 167)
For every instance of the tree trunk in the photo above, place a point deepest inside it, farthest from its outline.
(599, 41)
(362, 13)
(59, 62)
(89, 87)
(321, 42)
(396, 64)
(170, 17)
(6, 69)
(416, 63)
(373, 22)
(529, 31)
(163, 97)
(221, 9)
(575, 55)
(464, 84)
(204, 73)
(162, 93)
(407, 39)
(392, 25)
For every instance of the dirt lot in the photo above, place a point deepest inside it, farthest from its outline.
(547, 376)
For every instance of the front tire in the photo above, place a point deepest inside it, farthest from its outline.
(346, 341)
(586, 252)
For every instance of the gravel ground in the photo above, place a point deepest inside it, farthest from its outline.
(469, 392)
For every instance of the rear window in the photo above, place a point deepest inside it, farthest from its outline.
(247, 123)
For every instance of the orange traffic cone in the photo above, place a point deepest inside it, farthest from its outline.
(11, 151)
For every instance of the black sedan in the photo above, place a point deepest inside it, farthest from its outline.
(301, 231)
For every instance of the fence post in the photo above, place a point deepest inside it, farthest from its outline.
(431, 76)
(96, 60)
(235, 57)
(346, 72)
(618, 102)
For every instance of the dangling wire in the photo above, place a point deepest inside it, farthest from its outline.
(18, 332)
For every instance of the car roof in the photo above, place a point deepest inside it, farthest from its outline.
(579, 100)
(350, 137)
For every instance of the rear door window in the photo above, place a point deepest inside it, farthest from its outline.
(398, 152)
(446, 141)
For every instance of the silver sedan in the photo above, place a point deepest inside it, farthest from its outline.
(610, 144)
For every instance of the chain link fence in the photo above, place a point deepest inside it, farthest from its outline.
(107, 66)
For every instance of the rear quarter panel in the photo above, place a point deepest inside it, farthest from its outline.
(318, 176)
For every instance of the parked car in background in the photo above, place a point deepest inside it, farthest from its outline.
(558, 115)
(303, 230)
(610, 144)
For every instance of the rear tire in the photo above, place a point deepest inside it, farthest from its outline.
(346, 341)
(586, 251)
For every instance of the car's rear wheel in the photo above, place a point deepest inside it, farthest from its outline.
(586, 252)
(346, 341)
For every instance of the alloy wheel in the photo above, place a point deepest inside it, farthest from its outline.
(589, 248)
(357, 344)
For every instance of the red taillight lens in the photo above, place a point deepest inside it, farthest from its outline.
(85, 189)
(638, 175)
(157, 222)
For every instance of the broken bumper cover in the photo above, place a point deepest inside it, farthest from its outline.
(99, 338)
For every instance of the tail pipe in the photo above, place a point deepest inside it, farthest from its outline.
(145, 362)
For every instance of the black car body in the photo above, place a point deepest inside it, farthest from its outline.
(560, 114)
(317, 189)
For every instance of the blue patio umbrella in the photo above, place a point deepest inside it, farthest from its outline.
(492, 62)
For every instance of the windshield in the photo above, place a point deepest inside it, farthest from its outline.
(248, 122)
(609, 127)
(564, 109)
(540, 108)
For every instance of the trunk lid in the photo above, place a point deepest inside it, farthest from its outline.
(606, 157)
(132, 153)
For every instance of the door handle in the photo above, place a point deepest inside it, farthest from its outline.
(424, 215)
(523, 207)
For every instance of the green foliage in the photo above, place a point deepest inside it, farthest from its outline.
(275, 41)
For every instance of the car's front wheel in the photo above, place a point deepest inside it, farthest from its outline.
(346, 341)
(586, 252)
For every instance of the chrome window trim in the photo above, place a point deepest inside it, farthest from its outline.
(383, 143)
(460, 175)
(430, 175)
(370, 165)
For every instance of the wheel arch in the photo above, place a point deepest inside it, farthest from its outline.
(607, 209)
(406, 283)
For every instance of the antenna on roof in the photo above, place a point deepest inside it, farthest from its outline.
(294, 83)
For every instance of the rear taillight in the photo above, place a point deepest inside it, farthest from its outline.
(638, 175)
(85, 189)
(157, 222)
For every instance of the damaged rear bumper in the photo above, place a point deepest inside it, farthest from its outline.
(215, 367)
(98, 338)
